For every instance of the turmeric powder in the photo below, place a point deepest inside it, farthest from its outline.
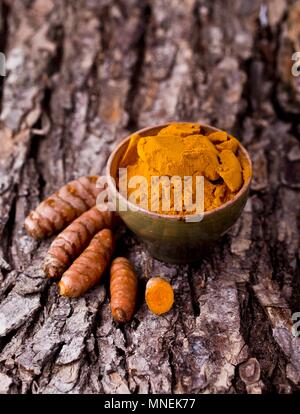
(186, 149)
(159, 295)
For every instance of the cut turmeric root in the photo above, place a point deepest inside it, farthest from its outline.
(123, 290)
(62, 207)
(159, 295)
(74, 239)
(88, 268)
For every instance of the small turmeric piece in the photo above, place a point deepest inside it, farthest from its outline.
(181, 129)
(159, 295)
(231, 144)
(62, 207)
(74, 239)
(88, 268)
(131, 151)
(123, 290)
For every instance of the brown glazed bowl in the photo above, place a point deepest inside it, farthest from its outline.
(171, 238)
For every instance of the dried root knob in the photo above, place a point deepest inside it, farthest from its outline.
(123, 290)
(88, 268)
(159, 295)
(250, 371)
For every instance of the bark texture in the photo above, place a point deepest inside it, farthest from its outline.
(80, 76)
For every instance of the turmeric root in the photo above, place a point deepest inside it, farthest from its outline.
(88, 268)
(74, 239)
(159, 295)
(62, 207)
(123, 290)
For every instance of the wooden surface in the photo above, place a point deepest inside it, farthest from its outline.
(80, 75)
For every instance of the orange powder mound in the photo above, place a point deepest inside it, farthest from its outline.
(181, 150)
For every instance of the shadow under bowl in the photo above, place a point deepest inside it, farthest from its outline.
(171, 238)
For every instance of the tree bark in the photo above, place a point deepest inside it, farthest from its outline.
(81, 76)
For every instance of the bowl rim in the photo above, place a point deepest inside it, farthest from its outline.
(174, 217)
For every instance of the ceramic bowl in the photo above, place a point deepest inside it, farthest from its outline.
(171, 238)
